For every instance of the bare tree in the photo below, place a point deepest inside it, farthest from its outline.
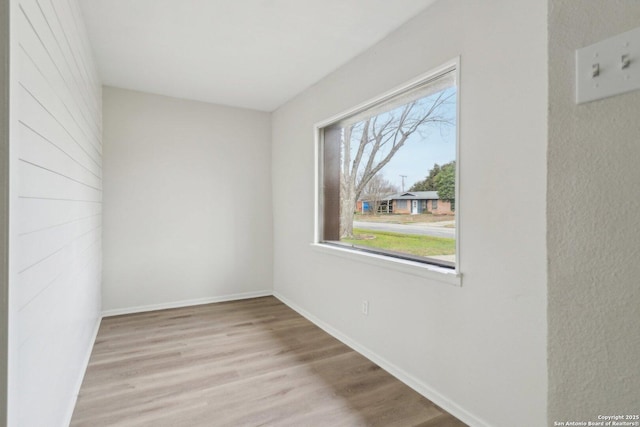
(376, 190)
(368, 145)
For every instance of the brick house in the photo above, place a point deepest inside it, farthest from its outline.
(414, 202)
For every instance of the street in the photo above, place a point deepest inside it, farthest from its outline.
(424, 229)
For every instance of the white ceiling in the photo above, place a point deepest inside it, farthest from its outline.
(246, 53)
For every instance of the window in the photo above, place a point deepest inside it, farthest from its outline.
(434, 204)
(368, 156)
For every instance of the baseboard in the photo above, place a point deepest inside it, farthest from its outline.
(419, 386)
(186, 303)
(85, 365)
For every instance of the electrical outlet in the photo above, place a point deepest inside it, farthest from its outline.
(365, 307)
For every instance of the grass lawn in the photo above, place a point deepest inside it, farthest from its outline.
(405, 243)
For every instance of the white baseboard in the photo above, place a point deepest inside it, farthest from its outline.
(419, 386)
(186, 303)
(85, 365)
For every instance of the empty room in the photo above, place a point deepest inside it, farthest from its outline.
(319, 213)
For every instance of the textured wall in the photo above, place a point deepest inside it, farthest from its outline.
(56, 206)
(187, 201)
(593, 232)
(479, 349)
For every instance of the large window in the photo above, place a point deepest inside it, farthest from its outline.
(368, 156)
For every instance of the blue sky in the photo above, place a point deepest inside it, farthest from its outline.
(433, 143)
(416, 158)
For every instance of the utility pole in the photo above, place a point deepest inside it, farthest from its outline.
(403, 177)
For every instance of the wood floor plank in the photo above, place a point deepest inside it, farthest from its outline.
(243, 363)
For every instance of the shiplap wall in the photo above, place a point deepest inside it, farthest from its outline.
(56, 210)
(4, 202)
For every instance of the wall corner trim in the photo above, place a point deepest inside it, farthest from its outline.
(85, 365)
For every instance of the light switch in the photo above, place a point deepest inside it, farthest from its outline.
(609, 67)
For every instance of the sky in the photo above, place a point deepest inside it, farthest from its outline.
(414, 160)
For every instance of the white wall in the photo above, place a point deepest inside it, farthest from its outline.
(593, 234)
(187, 202)
(56, 204)
(480, 349)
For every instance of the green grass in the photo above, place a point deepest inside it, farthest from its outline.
(405, 243)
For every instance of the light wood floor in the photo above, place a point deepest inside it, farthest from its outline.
(243, 363)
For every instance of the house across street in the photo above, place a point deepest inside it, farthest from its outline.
(413, 202)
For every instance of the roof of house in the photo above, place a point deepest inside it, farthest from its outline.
(408, 195)
(414, 195)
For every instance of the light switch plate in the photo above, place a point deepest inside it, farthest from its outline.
(609, 67)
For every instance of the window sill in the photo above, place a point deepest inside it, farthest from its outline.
(428, 271)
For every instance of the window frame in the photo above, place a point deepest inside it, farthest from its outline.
(420, 268)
